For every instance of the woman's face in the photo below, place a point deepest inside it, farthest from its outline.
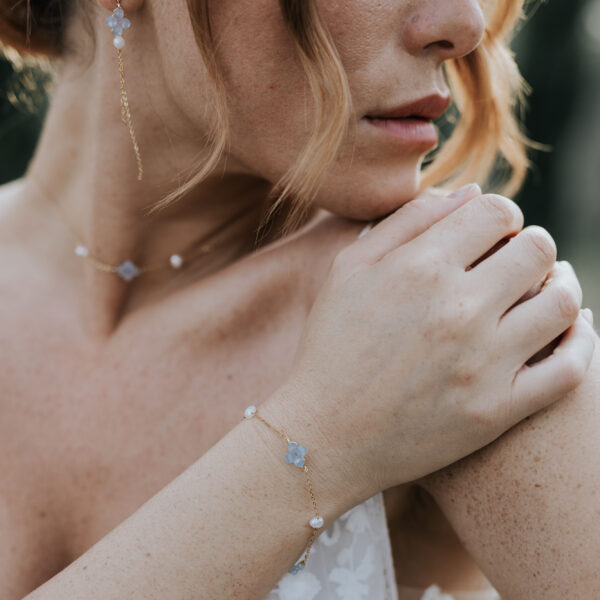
(392, 51)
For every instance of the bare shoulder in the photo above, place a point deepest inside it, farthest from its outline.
(298, 264)
(8, 198)
(18, 234)
(276, 284)
(14, 229)
(316, 249)
(29, 533)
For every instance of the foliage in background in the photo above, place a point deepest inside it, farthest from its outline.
(548, 56)
(23, 105)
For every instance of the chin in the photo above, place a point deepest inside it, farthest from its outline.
(370, 197)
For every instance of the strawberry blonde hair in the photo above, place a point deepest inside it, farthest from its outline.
(487, 91)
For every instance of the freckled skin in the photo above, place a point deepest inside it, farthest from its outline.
(526, 506)
(392, 52)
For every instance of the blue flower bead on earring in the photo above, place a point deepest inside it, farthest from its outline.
(295, 455)
(117, 22)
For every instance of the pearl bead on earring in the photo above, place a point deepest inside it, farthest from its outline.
(118, 22)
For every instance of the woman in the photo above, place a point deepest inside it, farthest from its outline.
(406, 363)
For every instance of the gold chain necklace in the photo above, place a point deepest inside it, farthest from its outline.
(128, 270)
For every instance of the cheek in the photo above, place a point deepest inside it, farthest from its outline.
(270, 102)
(271, 105)
(257, 60)
(269, 98)
(190, 99)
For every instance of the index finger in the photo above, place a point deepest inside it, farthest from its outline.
(408, 222)
(470, 231)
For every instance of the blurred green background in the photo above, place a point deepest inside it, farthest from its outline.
(558, 50)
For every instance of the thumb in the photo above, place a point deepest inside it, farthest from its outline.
(408, 222)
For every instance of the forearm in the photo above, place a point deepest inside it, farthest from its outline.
(230, 526)
(527, 507)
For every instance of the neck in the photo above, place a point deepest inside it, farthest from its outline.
(85, 170)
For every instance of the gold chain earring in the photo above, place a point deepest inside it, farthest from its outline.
(118, 23)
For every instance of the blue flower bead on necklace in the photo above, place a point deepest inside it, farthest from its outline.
(295, 455)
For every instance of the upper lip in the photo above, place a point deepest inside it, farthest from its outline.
(429, 107)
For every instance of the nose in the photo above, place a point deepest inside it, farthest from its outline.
(443, 28)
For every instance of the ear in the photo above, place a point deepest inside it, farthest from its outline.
(128, 6)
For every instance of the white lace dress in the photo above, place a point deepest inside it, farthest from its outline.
(352, 560)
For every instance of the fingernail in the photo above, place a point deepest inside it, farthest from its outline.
(588, 315)
(466, 190)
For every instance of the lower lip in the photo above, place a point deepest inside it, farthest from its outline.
(416, 131)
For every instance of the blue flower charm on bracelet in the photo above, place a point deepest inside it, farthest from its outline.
(295, 569)
(295, 455)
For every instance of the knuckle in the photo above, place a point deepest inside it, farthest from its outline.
(468, 368)
(541, 243)
(416, 208)
(568, 301)
(433, 192)
(464, 375)
(566, 265)
(573, 369)
(502, 209)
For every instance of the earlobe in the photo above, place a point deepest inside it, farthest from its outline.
(128, 6)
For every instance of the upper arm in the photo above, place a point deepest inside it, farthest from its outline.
(527, 506)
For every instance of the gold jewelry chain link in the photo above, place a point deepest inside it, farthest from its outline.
(306, 470)
(126, 116)
(188, 254)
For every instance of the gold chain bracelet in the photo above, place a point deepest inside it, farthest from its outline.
(296, 456)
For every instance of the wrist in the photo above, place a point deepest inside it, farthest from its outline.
(337, 487)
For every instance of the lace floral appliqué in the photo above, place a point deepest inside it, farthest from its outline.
(435, 593)
(350, 560)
